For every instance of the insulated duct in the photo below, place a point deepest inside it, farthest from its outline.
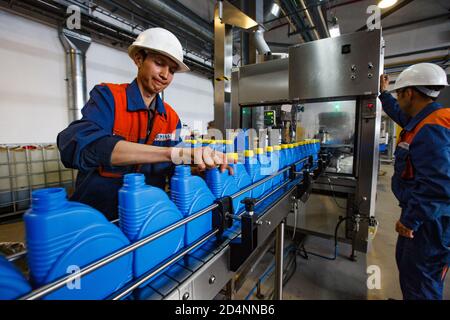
(75, 46)
(322, 21)
(261, 44)
(180, 18)
(309, 20)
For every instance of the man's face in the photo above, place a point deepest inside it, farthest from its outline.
(155, 71)
(404, 97)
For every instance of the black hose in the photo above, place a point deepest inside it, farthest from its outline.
(336, 229)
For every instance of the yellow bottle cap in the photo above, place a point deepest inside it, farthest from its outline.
(248, 153)
(269, 149)
(277, 148)
(233, 156)
(259, 150)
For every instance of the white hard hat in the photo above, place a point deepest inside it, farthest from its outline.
(420, 76)
(161, 41)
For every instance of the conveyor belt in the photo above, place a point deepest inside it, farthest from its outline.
(211, 255)
(201, 270)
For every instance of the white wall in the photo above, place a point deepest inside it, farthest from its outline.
(32, 87)
(33, 105)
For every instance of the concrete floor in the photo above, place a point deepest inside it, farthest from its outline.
(343, 279)
(317, 278)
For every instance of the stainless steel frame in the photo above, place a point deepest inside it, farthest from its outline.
(332, 69)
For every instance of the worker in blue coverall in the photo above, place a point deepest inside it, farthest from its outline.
(127, 128)
(421, 180)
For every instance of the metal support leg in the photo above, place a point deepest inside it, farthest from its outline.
(279, 246)
(229, 290)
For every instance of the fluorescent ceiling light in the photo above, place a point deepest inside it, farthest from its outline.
(383, 4)
(275, 10)
(334, 31)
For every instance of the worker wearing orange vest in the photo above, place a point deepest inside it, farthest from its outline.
(421, 180)
(127, 128)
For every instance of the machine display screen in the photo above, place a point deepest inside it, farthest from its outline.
(333, 123)
(269, 118)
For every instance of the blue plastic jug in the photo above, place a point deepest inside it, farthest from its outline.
(254, 171)
(278, 164)
(144, 210)
(222, 184)
(274, 163)
(13, 284)
(291, 152)
(191, 194)
(241, 142)
(316, 145)
(242, 180)
(266, 167)
(228, 146)
(285, 160)
(301, 155)
(63, 237)
(297, 151)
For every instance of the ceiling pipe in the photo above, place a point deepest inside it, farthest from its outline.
(321, 21)
(75, 45)
(179, 17)
(309, 20)
(261, 44)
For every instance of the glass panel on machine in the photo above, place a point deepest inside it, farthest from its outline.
(333, 123)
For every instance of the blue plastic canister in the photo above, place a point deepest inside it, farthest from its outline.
(242, 180)
(266, 167)
(144, 210)
(316, 149)
(301, 155)
(285, 158)
(13, 284)
(222, 184)
(228, 146)
(278, 164)
(63, 237)
(191, 194)
(254, 171)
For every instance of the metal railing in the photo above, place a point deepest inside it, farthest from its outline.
(59, 283)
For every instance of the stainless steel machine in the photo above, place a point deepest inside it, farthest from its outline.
(330, 87)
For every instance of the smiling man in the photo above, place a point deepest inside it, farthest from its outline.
(127, 128)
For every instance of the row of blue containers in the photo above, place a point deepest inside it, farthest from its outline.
(63, 236)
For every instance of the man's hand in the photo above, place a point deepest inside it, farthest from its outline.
(203, 158)
(384, 82)
(403, 231)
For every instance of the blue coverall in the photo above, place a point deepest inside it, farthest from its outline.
(88, 143)
(425, 201)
